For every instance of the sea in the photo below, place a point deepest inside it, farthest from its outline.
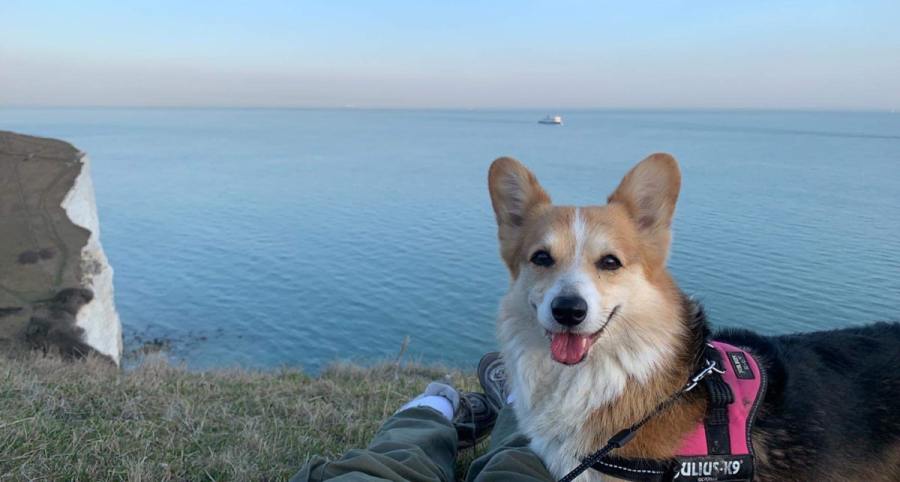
(266, 238)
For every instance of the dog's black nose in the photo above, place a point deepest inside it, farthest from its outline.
(569, 310)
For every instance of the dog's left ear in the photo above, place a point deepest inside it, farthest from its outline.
(649, 193)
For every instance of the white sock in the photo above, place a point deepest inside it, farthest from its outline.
(436, 402)
(437, 396)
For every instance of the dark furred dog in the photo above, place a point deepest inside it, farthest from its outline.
(832, 410)
(595, 334)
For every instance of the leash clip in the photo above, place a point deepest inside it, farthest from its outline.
(710, 367)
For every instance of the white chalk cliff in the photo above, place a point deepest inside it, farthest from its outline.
(98, 318)
(56, 285)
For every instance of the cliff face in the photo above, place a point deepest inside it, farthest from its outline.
(56, 291)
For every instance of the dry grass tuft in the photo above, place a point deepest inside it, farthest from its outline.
(85, 420)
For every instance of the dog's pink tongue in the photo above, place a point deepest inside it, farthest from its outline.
(569, 348)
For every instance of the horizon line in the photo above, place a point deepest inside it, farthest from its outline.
(885, 110)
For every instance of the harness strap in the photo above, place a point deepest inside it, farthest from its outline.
(722, 468)
(719, 396)
(642, 470)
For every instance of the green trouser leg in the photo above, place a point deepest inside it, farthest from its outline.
(509, 457)
(417, 444)
(420, 444)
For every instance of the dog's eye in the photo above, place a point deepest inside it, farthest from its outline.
(609, 263)
(542, 258)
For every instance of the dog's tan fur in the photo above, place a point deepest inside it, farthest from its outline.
(643, 334)
(645, 337)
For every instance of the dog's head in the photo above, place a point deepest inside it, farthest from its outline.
(589, 279)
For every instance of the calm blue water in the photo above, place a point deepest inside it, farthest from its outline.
(271, 237)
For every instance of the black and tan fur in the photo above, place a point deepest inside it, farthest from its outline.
(832, 410)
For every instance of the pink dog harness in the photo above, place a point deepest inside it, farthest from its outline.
(719, 448)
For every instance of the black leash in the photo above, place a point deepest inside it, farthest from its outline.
(624, 436)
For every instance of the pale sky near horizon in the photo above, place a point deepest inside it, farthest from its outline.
(456, 54)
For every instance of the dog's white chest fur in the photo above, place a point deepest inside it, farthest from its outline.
(553, 409)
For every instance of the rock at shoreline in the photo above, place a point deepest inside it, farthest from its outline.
(56, 291)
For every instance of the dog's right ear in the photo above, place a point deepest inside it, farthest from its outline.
(515, 194)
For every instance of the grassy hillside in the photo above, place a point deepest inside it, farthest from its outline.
(88, 421)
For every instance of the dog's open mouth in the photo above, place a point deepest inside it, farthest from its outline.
(572, 348)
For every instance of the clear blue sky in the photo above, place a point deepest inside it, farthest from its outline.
(815, 54)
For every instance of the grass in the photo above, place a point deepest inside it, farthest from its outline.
(88, 421)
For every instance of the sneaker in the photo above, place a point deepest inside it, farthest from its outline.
(474, 418)
(492, 376)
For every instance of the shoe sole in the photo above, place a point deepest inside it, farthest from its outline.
(494, 396)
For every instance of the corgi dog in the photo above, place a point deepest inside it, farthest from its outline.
(595, 334)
